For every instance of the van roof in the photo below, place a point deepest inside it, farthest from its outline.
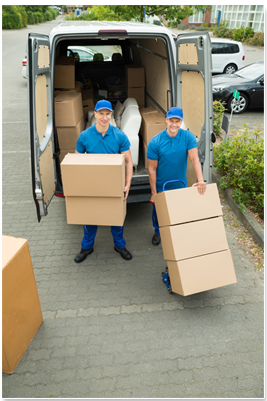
(95, 26)
(223, 40)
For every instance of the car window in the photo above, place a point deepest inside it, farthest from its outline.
(224, 48)
(252, 71)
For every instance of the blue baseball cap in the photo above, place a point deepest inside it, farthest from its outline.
(103, 104)
(175, 112)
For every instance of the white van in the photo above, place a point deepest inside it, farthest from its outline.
(227, 55)
(172, 78)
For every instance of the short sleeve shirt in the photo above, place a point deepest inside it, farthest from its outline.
(91, 141)
(171, 154)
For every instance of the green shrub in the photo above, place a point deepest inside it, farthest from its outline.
(48, 16)
(30, 17)
(38, 17)
(23, 13)
(201, 28)
(240, 161)
(11, 18)
(241, 34)
(218, 111)
(257, 39)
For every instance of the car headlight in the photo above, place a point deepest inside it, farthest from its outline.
(217, 89)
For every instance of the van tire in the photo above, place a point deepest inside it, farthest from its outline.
(241, 104)
(230, 69)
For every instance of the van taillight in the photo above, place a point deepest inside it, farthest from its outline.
(24, 63)
(243, 58)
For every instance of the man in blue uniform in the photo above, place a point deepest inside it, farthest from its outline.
(104, 138)
(167, 154)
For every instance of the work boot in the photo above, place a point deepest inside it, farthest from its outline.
(80, 257)
(156, 239)
(124, 253)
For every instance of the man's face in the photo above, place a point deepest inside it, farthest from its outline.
(103, 117)
(173, 124)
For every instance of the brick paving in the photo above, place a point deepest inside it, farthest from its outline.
(110, 328)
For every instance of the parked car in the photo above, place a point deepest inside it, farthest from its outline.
(227, 55)
(249, 82)
(84, 54)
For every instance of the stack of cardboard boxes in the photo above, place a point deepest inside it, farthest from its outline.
(135, 82)
(69, 112)
(193, 240)
(93, 188)
(153, 122)
(21, 310)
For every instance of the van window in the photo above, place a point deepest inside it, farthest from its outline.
(224, 48)
(94, 53)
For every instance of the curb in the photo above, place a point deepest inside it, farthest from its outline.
(246, 218)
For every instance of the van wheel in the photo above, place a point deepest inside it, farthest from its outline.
(240, 105)
(230, 69)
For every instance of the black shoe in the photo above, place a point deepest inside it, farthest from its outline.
(156, 239)
(83, 255)
(124, 253)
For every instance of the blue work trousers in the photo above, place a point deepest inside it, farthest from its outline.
(90, 233)
(155, 220)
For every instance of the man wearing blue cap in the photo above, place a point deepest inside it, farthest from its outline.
(104, 138)
(167, 154)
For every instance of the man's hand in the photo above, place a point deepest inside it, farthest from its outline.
(126, 192)
(152, 198)
(201, 186)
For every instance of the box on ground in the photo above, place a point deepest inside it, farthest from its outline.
(202, 273)
(68, 109)
(65, 73)
(101, 211)
(135, 76)
(21, 310)
(104, 175)
(152, 124)
(67, 136)
(138, 94)
(184, 241)
(186, 204)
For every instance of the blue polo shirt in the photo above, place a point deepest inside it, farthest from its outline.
(92, 141)
(171, 154)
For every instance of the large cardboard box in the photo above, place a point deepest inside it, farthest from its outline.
(202, 273)
(101, 200)
(135, 76)
(104, 175)
(67, 136)
(21, 310)
(138, 94)
(186, 204)
(184, 241)
(101, 211)
(152, 124)
(68, 109)
(65, 73)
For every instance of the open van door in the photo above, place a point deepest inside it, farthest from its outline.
(40, 102)
(194, 96)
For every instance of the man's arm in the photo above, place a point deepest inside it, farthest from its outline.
(128, 172)
(152, 171)
(193, 156)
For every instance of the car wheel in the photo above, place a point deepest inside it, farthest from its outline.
(230, 69)
(240, 105)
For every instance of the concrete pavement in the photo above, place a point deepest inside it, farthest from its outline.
(111, 329)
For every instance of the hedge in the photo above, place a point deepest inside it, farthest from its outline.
(16, 17)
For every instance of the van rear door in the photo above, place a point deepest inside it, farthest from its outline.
(40, 106)
(194, 95)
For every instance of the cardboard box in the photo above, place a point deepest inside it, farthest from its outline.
(152, 124)
(68, 109)
(104, 175)
(88, 102)
(102, 211)
(144, 155)
(138, 94)
(67, 136)
(202, 273)
(186, 204)
(65, 73)
(64, 152)
(21, 310)
(147, 110)
(135, 76)
(189, 240)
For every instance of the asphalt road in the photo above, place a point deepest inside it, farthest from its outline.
(110, 328)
